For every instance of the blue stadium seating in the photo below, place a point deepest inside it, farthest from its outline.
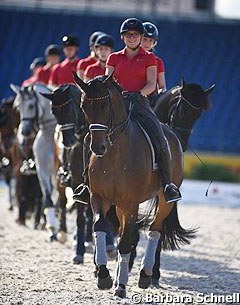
(203, 53)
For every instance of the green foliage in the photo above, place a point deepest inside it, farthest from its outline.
(214, 172)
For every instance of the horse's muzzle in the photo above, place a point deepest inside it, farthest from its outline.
(69, 139)
(27, 128)
(98, 150)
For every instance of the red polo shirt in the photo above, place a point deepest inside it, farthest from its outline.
(160, 65)
(85, 62)
(130, 73)
(43, 74)
(62, 72)
(94, 70)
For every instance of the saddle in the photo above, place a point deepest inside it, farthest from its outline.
(151, 146)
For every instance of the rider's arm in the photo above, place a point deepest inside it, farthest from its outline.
(161, 82)
(80, 70)
(109, 70)
(53, 79)
(151, 81)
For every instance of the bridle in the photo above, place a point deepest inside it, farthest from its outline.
(71, 126)
(34, 120)
(113, 132)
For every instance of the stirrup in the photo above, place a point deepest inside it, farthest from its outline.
(171, 193)
(81, 194)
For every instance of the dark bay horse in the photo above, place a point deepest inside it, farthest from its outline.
(65, 104)
(9, 121)
(27, 190)
(180, 108)
(66, 108)
(121, 173)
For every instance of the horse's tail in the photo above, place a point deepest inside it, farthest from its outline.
(173, 235)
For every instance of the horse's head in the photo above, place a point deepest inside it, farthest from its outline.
(26, 102)
(193, 100)
(98, 104)
(65, 107)
(9, 120)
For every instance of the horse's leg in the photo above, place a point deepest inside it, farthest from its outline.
(99, 213)
(80, 248)
(153, 239)
(156, 267)
(89, 230)
(135, 240)
(127, 223)
(44, 158)
(62, 201)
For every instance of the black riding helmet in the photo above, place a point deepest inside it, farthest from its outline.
(37, 62)
(150, 30)
(94, 36)
(70, 41)
(52, 49)
(132, 24)
(105, 40)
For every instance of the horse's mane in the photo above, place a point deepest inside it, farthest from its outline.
(102, 78)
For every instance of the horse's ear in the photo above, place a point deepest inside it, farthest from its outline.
(81, 84)
(210, 90)
(16, 89)
(183, 83)
(49, 96)
(109, 79)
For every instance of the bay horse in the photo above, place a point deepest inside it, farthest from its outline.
(36, 118)
(65, 102)
(121, 173)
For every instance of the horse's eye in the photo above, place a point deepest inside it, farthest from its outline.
(30, 107)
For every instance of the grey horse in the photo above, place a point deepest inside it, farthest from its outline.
(36, 117)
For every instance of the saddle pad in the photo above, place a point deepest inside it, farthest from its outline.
(153, 153)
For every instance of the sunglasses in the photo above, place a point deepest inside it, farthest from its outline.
(132, 34)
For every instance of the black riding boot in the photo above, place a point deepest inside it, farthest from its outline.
(81, 193)
(171, 192)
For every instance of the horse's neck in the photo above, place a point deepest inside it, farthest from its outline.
(44, 108)
(119, 107)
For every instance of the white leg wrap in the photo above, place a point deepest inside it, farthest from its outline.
(51, 218)
(101, 252)
(123, 262)
(149, 258)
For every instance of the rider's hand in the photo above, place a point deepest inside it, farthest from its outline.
(135, 97)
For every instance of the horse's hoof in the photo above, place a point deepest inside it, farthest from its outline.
(10, 208)
(155, 282)
(105, 283)
(53, 237)
(144, 280)
(104, 279)
(78, 259)
(120, 291)
(62, 237)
